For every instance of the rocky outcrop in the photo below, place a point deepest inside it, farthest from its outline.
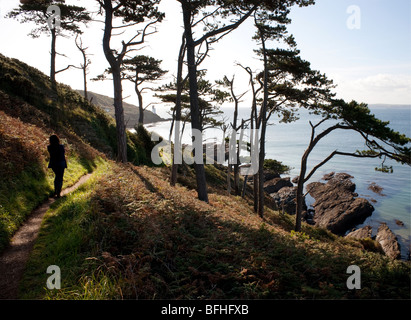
(385, 238)
(388, 241)
(362, 233)
(276, 184)
(285, 199)
(336, 206)
(282, 191)
(269, 175)
(328, 176)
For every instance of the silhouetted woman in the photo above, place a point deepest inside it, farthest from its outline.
(57, 163)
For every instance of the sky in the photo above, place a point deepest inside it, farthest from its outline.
(364, 46)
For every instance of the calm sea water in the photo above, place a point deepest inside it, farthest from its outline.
(287, 142)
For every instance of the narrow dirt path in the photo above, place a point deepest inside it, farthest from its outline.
(13, 259)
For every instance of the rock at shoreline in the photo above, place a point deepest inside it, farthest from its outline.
(328, 176)
(336, 207)
(276, 184)
(399, 222)
(362, 233)
(285, 199)
(269, 175)
(376, 189)
(388, 242)
(282, 192)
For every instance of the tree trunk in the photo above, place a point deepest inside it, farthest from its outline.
(262, 137)
(194, 105)
(118, 94)
(53, 58)
(255, 192)
(253, 120)
(244, 186)
(300, 195)
(119, 116)
(177, 144)
(140, 105)
(237, 178)
(229, 179)
(85, 74)
(85, 82)
(261, 194)
(236, 164)
(84, 66)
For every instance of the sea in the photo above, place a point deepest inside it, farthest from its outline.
(286, 142)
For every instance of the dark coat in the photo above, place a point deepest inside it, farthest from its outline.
(57, 156)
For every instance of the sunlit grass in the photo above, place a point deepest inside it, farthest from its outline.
(28, 190)
(64, 232)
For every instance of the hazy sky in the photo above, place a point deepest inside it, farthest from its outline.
(363, 45)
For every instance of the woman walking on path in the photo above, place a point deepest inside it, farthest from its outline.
(57, 162)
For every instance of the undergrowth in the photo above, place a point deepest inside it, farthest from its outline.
(131, 236)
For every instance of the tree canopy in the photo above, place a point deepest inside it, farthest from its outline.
(71, 16)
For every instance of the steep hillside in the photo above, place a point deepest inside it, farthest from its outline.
(30, 111)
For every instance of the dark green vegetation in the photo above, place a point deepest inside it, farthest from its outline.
(127, 234)
(275, 166)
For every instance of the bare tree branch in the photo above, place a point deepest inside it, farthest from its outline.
(206, 16)
(66, 68)
(225, 28)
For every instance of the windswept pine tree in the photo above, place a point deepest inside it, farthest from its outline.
(53, 17)
(134, 13)
(210, 99)
(141, 70)
(285, 83)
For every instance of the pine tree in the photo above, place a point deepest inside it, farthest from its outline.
(53, 17)
(133, 13)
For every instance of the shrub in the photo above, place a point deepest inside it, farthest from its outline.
(276, 166)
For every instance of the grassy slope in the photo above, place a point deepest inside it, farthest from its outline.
(128, 235)
(30, 111)
(25, 180)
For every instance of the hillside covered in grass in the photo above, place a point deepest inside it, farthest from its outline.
(30, 111)
(126, 234)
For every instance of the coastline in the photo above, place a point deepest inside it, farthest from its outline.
(285, 143)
